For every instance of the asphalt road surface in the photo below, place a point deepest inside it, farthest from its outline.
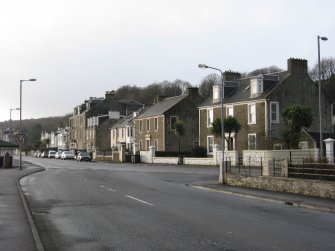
(98, 206)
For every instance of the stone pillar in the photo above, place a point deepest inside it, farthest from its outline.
(135, 148)
(215, 154)
(122, 152)
(152, 153)
(330, 150)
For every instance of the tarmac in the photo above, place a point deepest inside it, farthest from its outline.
(18, 231)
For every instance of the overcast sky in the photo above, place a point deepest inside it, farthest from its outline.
(78, 49)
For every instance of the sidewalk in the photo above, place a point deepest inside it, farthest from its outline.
(289, 199)
(15, 228)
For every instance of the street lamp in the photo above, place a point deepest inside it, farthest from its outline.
(21, 81)
(10, 122)
(222, 178)
(320, 107)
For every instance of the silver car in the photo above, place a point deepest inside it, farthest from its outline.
(67, 155)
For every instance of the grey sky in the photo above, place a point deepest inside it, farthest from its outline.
(80, 48)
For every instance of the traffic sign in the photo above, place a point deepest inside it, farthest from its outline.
(20, 136)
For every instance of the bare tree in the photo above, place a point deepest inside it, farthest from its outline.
(327, 75)
(265, 70)
(327, 69)
(206, 85)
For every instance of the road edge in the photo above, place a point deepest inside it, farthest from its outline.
(38, 242)
(269, 199)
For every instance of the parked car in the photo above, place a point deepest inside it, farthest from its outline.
(58, 155)
(44, 155)
(51, 154)
(84, 156)
(67, 155)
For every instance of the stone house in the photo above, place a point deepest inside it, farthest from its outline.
(154, 127)
(91, 126)
(257, 102)
(123, 131)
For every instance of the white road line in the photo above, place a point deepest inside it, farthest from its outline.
(102, 186)
(110, 189)
(131, 197)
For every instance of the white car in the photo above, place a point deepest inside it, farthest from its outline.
(67, 155)
(58, 155)
(51, 154)
(83, 156)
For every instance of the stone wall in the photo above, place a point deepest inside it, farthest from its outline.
(323, 189)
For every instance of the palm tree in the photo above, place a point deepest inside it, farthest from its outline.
(295, 117)
(231, 125)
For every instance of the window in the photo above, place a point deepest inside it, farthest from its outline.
(274, 112)
(122, 132)
(229, 111)
(156, 144)
(148, 125)
(141, 145)
(256, 86)
(156, 124)
(141, 126)
(173, 120)
(252, 141)
(210, 142)
(303, 145)
(252, 114)
(147, 144)
(277, 146)
(209, 117)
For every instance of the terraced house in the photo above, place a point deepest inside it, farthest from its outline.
(257, 102)
(155, 127)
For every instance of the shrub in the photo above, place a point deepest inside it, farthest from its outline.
(199, 151)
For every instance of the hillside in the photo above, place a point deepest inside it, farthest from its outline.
(34, 127)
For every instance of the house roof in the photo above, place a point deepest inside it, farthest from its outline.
(7, 144)
(316, 135)
(239, 90)
(162, 106)
(123, 122)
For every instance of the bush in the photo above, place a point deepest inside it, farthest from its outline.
(199, 151)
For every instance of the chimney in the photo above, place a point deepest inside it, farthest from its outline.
(297, 66)
(192, 91)
(231, 76)
(159, 98)
(109, 94)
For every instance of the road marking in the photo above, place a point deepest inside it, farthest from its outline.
(102, 186)
(131, 197)
(110, 189)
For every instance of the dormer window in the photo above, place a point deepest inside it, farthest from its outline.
(256, 85)
(216, 93)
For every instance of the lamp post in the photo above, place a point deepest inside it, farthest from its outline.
(10, 122)
(222, 178)
(320, 106)
(21, 81)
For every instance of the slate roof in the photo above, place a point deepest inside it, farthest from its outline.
(7, 144)
(239, 90)
(123, 122)
(316, 135)
(162, 106)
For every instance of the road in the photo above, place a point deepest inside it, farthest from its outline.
(97, 206)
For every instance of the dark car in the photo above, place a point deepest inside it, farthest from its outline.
(83, 156)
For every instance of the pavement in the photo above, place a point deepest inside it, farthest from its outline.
(18, 231)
